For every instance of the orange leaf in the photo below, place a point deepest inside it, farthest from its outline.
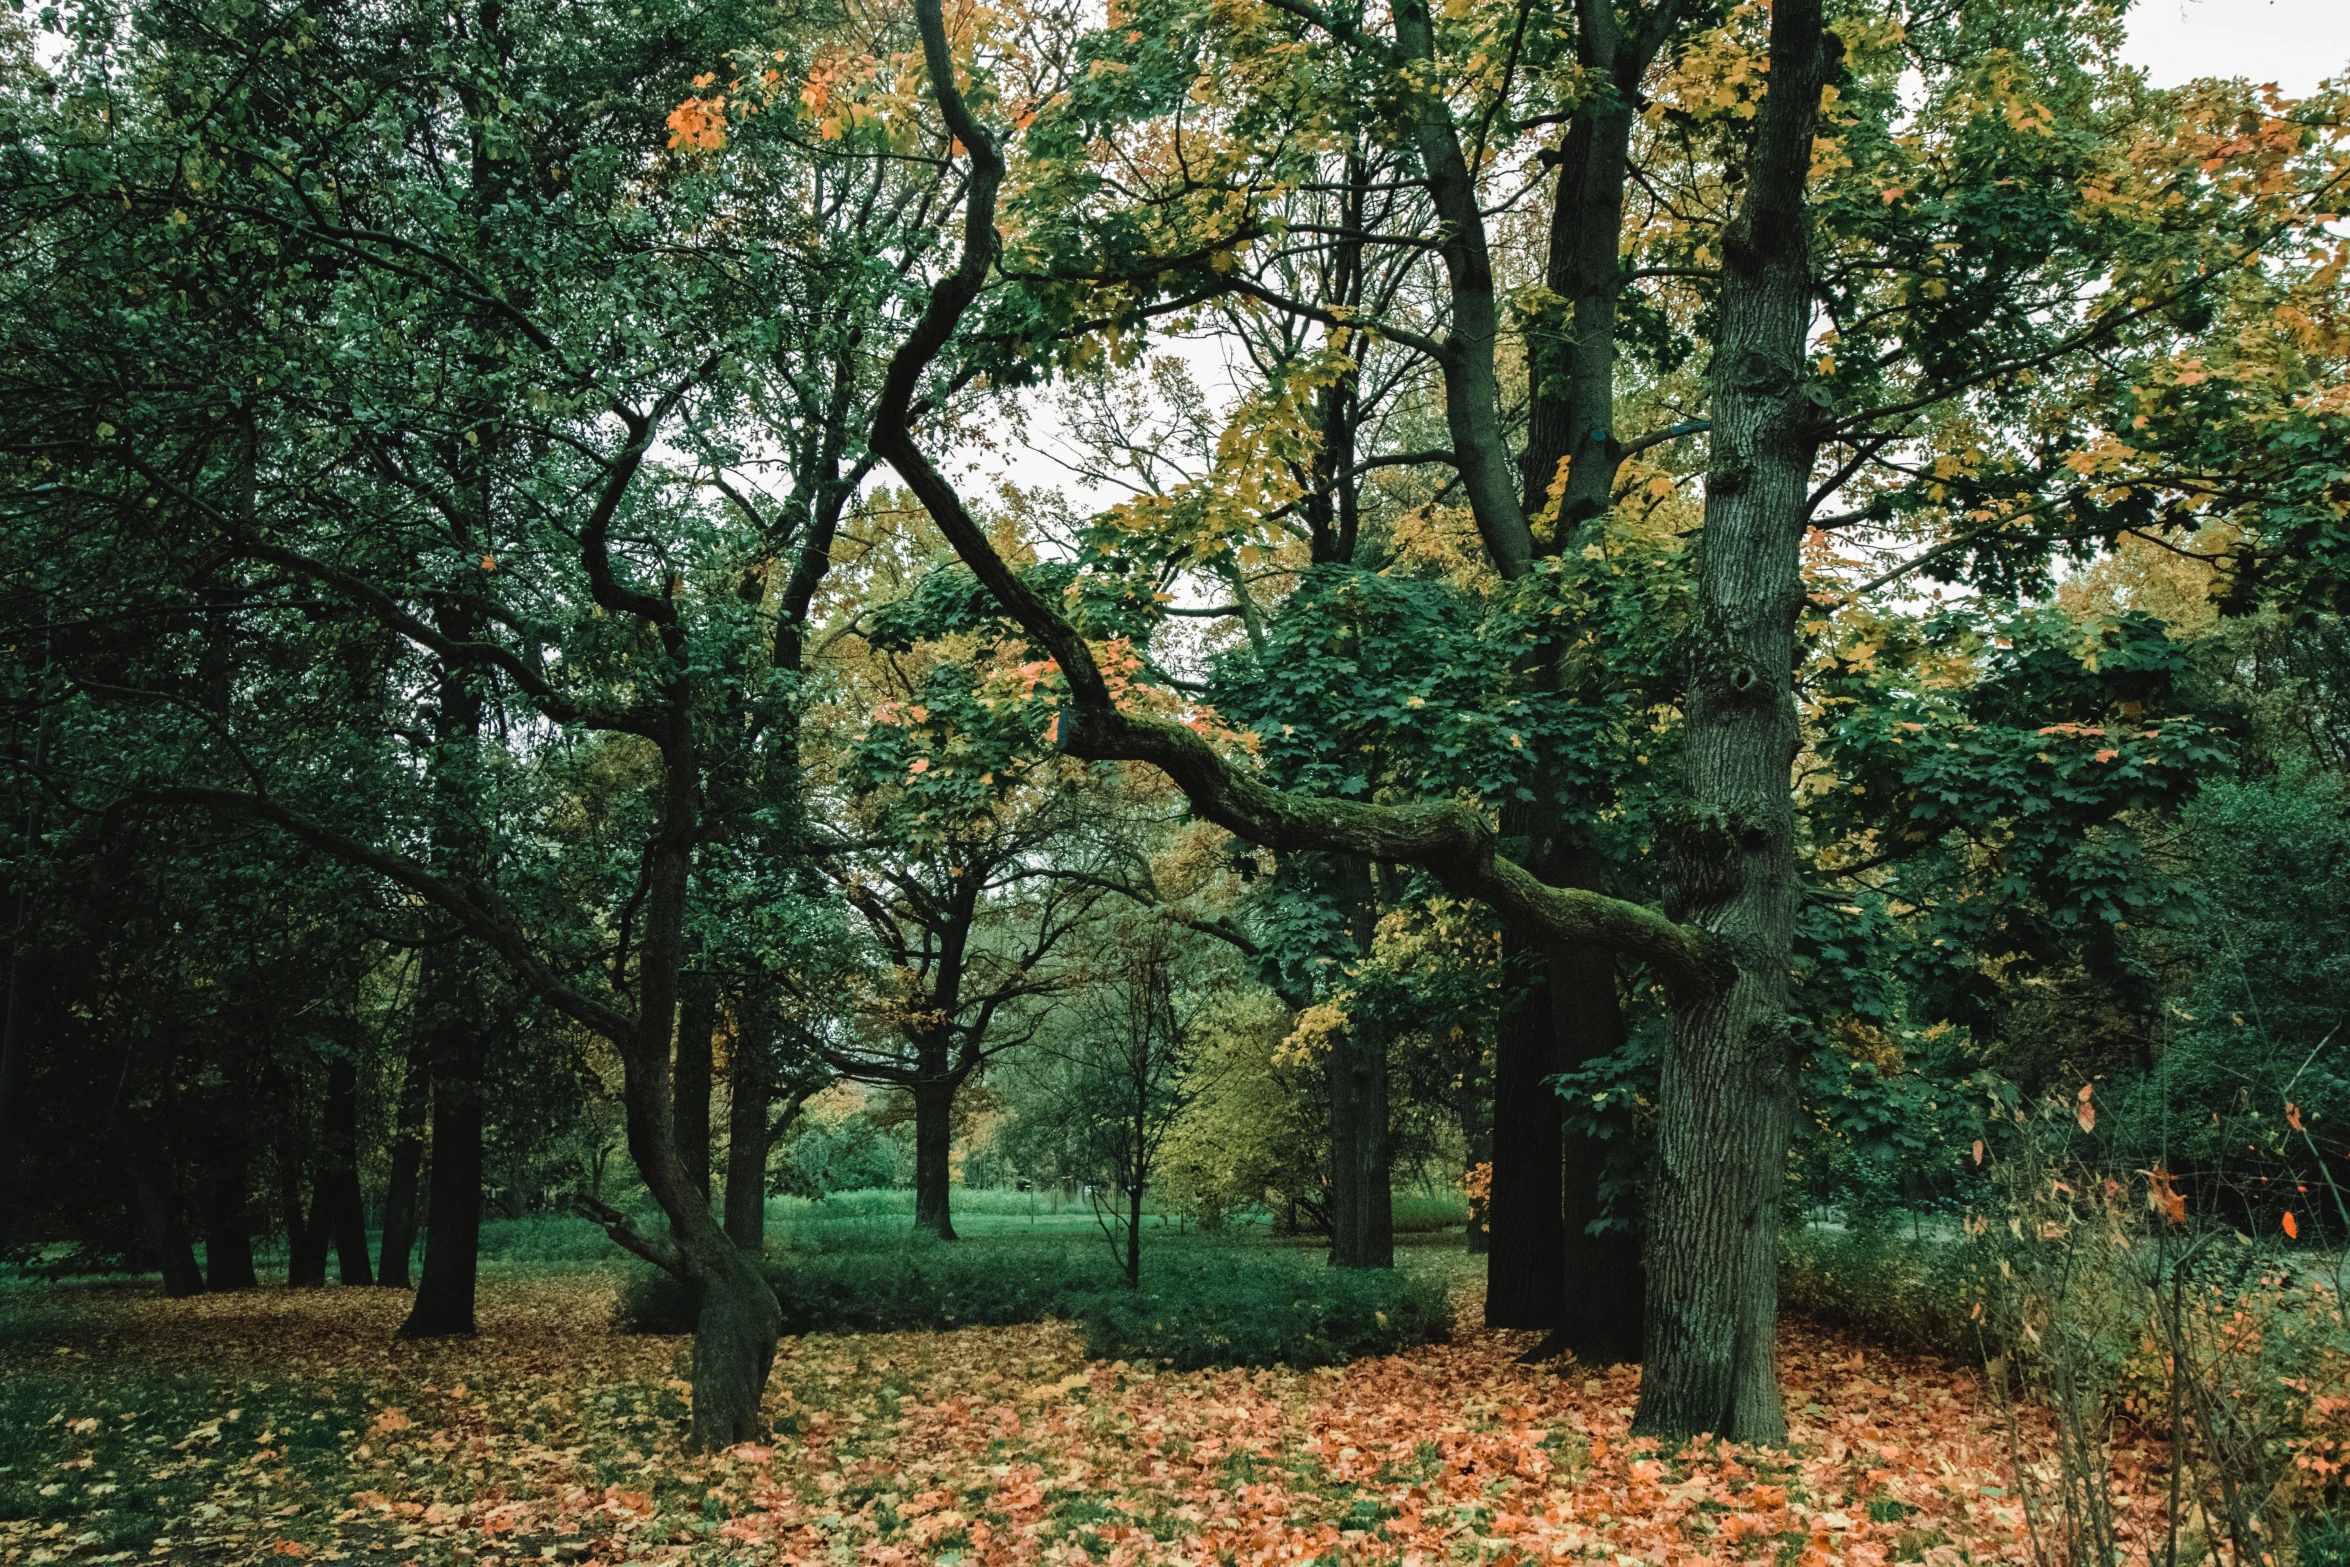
(920, 764)
(1978, 1150)
(2087, 1113)
(2292, 1115)
(2292, 1226)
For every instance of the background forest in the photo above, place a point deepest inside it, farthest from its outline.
(1650, 657)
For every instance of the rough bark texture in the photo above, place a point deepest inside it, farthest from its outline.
(934, 1105)
(402, 1190)
(697, 1018)
(749, 1094)
(1729, 1071)
(339, 1172)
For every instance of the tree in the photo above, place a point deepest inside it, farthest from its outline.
(1115, 1070)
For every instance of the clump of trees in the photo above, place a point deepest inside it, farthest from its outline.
(1743, 568)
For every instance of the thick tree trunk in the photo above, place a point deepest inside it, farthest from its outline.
(1727, 1103)
(697, 1018)
(228, 1224)
(339, 1175)
(1605, 1287)
(749, 1098)
(734, 1351)
(452, 1237)
(160, 1219)
(934, 1107)
(401, 1191)
(1526, 1261)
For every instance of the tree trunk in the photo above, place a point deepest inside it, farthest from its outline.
(734, 1351)
(400, 1194)
(1605, 1288)
(159, 1216)
(1362, 1199)
(749, 1098)
(16, 1027)
(1727, 1099)
(1362, 1210)
(305, 1235)
(1526, 1264)
(452, 1237)
(339, 1177)
(1134, 1236)
(934, 1105)
(697, 1018)
(228, 1225)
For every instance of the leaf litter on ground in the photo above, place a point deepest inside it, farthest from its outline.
(278, 1424)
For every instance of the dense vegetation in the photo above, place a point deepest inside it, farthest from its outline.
(1708, 637)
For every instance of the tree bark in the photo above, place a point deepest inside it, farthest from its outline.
(339, 1174)
(1605, 1288)
(934, 1107)
(1526, 1263)
(1729, 1077)
(749, 1097)
(1362, 1202)
(401, 1192)
(697, 1019)
(452, 1238)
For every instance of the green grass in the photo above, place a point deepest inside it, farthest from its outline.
(1205, 1301)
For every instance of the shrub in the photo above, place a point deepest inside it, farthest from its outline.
(898, 1286)
(1268, 1311)
(1209, 1306)
(1908, 1292)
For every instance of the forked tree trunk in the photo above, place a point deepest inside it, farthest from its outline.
(160, 1219)
(749, 1097)
(934, 1111)
(452, 1239)
(697, 1018)
(401, 1192)
(1134, 1236)
(1729, 1077)
(734, 1351)
(339, 1175)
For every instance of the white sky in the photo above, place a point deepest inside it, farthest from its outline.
(2293, 43)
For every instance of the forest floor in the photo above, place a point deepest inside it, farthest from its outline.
(282, 1424)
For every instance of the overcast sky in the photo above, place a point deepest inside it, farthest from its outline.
(2293, 43)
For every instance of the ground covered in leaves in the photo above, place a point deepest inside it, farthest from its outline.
(281, 1424)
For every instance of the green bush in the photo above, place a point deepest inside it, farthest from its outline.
(1912, 1293)
(1264, 1311)
(899, 1286)
(1200, 1306)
